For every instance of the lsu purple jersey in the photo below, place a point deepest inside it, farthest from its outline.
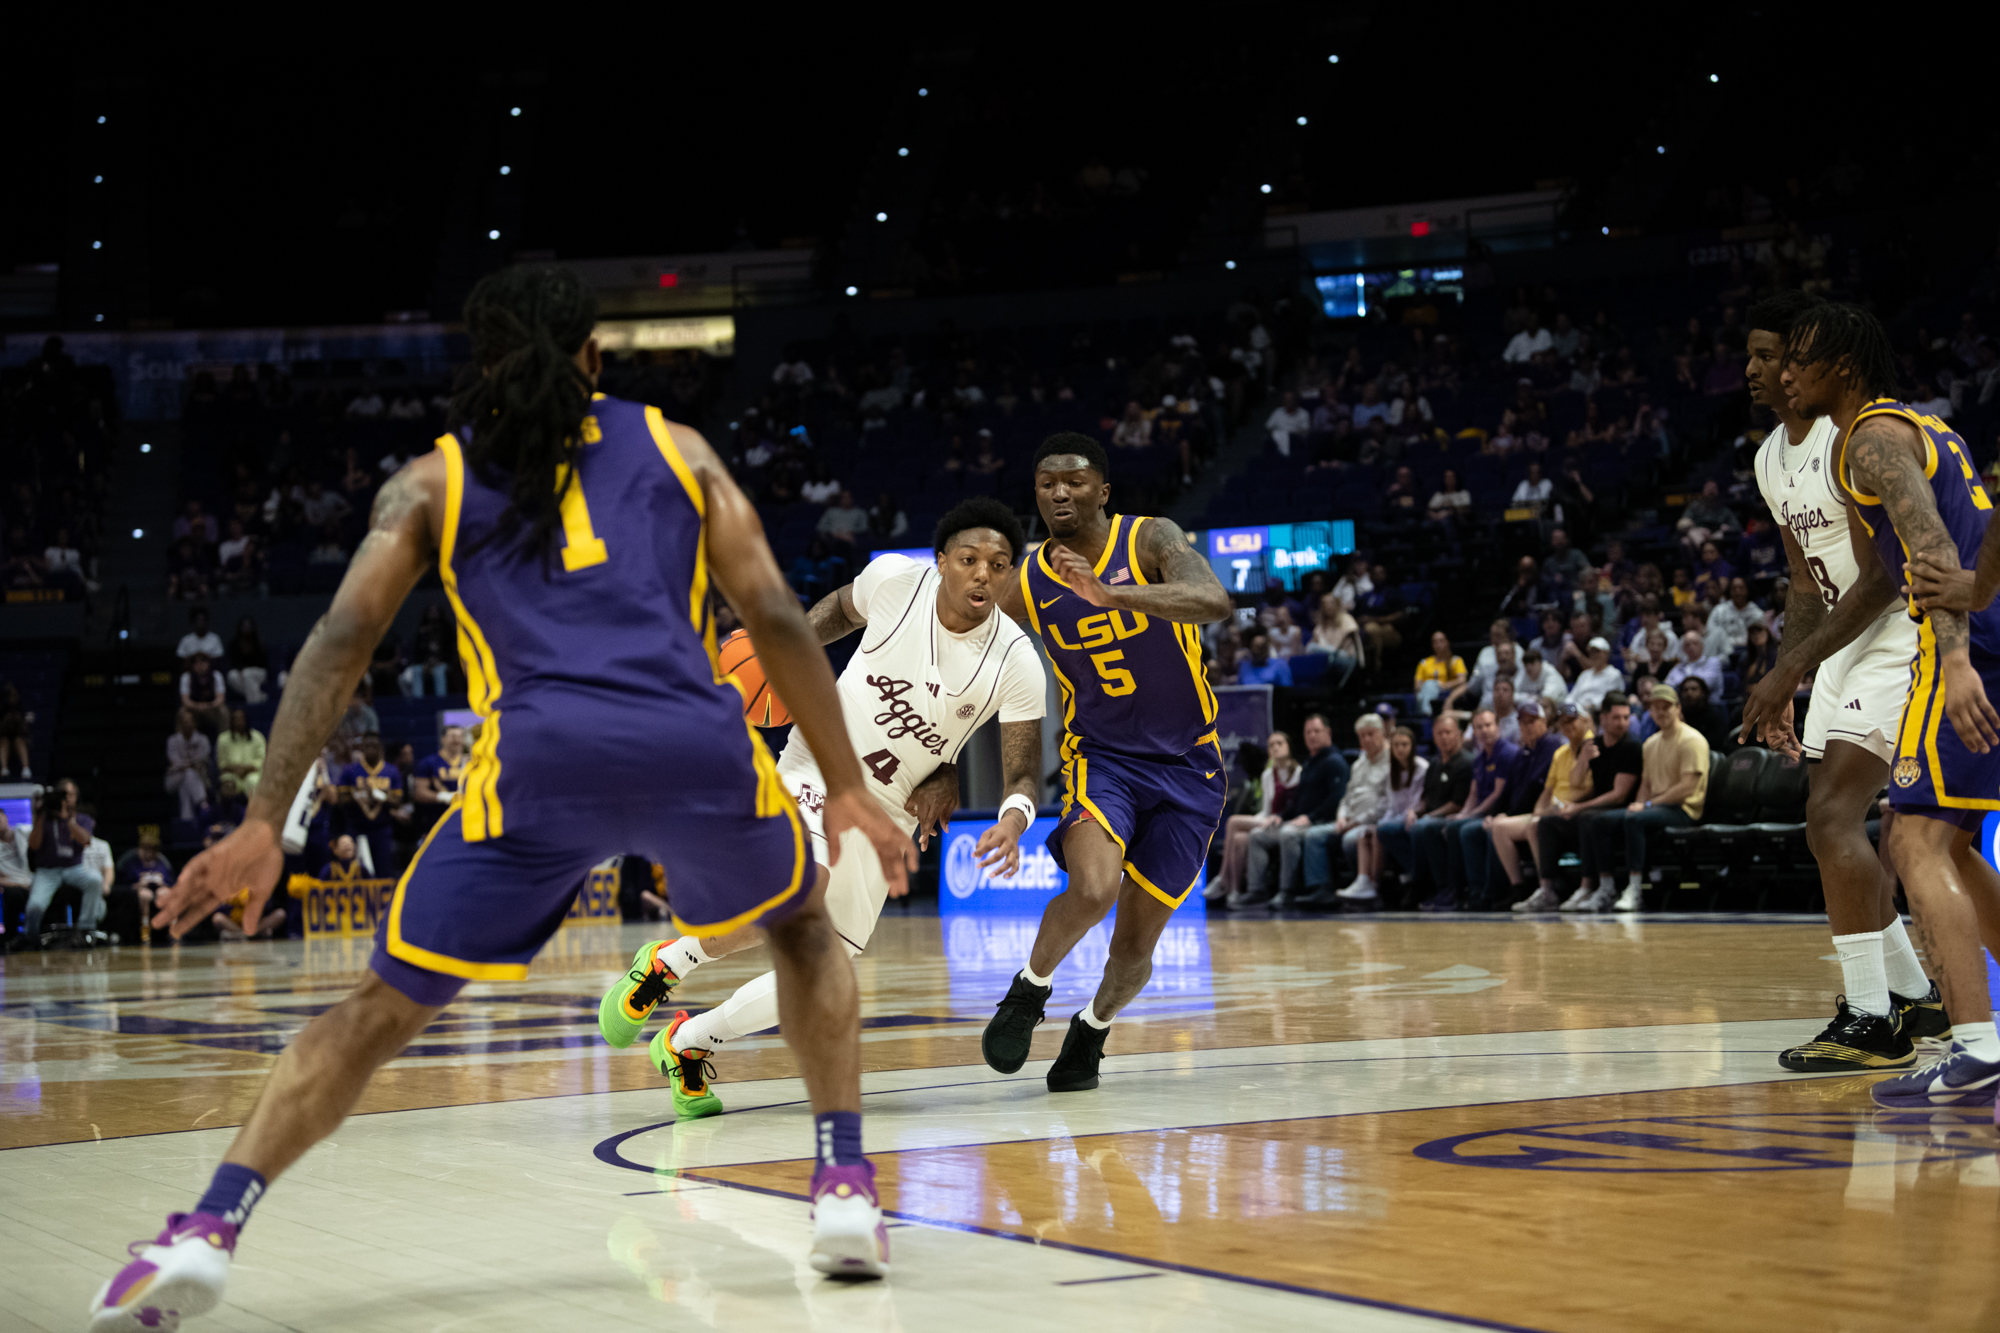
(1140, 753)
(1933, 768)
(604, 729)
(1130, 683)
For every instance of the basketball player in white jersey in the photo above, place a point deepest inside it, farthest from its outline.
(1850, 728)
(934, 663)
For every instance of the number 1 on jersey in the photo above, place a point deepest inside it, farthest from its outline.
(582, 547)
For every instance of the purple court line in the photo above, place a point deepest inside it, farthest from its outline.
(1093, 1281)
(883, 1092)
(1193, 1270)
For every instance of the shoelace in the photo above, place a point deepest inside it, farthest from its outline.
(651, 987)
(689, 1060)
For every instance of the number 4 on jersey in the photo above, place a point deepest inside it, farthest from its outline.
(883, 765)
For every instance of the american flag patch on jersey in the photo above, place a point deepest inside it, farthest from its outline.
(1124, 573)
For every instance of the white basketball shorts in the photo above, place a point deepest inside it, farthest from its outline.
(856, 888)
(1858, 693)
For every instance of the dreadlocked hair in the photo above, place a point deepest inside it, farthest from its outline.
(1778, 312)
(1846, 334)
(527, 402)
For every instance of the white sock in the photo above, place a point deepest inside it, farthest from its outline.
(1089, 1015)
(1861, 972)
(1028, 971)
(1980, 1039)
(1607, 883)
(684, 955)
(1900, 963)
(1635, 882)
(752, 1008)
(1364, 883)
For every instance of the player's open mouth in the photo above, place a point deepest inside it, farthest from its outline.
(976, 598)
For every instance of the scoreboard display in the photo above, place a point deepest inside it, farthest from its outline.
(1253, 559)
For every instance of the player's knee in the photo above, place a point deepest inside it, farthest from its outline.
(806, 931)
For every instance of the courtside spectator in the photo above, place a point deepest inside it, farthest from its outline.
(343, 865)
(1443, 845)
(435, 780)
(1399, 802)
(199, 639)
(188, 753)
(1615, 760)
(1447, 785)
(143, 872)
(1274, 798)
(1566, 783)
(1260, 667)
(1360, 808)
(239, 757)
(56, 845)
(370, 790)
(16, 874)
(1729, 624)
(98, 860)
(1672, 789)
(1315, 804)
(1700, 712)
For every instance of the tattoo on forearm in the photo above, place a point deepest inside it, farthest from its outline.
(1882, 461)
(1021, 758)
(829, 617)
(1186, 590)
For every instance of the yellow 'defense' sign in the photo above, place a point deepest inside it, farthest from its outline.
(351, 909)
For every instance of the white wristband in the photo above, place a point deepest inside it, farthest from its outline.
(1021, 803)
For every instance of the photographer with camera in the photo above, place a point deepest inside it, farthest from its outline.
(56, 847)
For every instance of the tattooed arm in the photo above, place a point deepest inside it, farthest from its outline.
(401, 540)
(1883, 452)
(1180, 585)
(1814, 631)
(833, 616)
(1940, 585)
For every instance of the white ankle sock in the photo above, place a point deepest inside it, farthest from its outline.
(1980, 1039)
(1635, 882)
(1900, 963)
(1364, 882)
(1861, 973)
(752, 1008)
(1089, 1015)
(684, 955)
(1028, 971)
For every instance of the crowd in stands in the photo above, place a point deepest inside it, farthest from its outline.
(57, 425)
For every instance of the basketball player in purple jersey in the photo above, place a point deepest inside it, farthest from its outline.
(1118, 602)
(1916, 497)
(1840, 594)
(576, 536)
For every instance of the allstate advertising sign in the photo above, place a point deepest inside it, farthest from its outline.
(964, 887)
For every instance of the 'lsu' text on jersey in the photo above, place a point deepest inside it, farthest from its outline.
(1130, 683)
(1925, 773)
(1140, 754)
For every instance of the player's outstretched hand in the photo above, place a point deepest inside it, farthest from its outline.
(999, 850)
(933, 801)
(1078, 576)
(893, 848)
(249, 858)
(1965, 703)
(1768, 705)
(1940, 586)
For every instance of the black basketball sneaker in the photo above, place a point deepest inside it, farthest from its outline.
(1075, 1070)
(1923, 1017)
(1011, 1030)
(1852, 1042)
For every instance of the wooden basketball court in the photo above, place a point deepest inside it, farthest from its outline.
(1371, 1124)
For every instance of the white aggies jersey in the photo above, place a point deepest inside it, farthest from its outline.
(914, 692)
(1799, 486)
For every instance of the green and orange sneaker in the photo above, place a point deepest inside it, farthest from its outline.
(622, 1013)
(688, 1070)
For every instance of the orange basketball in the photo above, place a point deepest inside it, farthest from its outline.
(740, 667)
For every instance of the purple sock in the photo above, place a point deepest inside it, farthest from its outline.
(233, 1193)
(839, 1137)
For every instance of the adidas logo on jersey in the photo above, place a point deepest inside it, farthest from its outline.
(1855, 704)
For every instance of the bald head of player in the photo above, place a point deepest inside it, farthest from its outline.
(978, 544)
(1072, 486)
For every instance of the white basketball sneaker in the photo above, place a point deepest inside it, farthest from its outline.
(1575, 902)
(180, 1273)
(849, 1238)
